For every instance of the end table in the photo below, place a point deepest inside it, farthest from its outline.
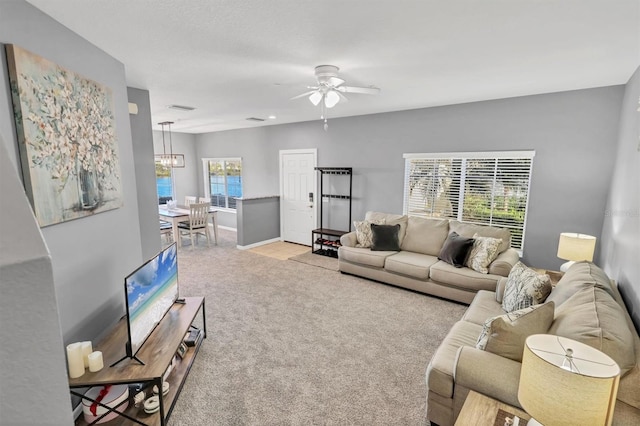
(480, 410)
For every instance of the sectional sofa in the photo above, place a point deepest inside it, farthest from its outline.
(586, 306)
(417, 267)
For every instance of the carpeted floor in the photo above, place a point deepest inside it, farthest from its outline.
(309, 258)
(296, 344)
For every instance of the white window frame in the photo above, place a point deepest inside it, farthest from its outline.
(205, 175)
(529, 154)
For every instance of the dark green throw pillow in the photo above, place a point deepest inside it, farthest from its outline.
(455, 249)
(385, 237)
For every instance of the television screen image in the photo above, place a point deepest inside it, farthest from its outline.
(150, 291)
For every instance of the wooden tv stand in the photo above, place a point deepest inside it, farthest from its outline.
(157, 353)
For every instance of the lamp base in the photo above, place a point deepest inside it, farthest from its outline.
(565, 266)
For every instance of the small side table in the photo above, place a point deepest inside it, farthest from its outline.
(480, 410)
(554, 275)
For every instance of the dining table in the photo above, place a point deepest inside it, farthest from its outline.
(181, 214)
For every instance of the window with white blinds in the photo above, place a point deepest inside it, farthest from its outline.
(487, 188)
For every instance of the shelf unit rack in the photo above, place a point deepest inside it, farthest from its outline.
(157, 353)
(326, 241)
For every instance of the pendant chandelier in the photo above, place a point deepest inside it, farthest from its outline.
(169, 160)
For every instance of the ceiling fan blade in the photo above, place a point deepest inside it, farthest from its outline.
(335, 81)
(363, 90)
(302, 95)
(343, 98)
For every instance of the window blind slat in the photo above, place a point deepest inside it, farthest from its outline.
(490, 190)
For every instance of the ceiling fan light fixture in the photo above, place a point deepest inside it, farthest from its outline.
(331, 99)
(315, 98)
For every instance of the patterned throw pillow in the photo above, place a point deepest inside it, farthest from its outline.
(483, 252)
(363, 231)
(505, 335)
(525, 287)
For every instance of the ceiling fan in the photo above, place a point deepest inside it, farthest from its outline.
(331, 88)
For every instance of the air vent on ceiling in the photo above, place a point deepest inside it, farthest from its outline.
(181, 107)
(255, 119)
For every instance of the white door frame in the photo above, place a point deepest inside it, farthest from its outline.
(313, 151)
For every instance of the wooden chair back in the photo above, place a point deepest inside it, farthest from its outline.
(198, 215)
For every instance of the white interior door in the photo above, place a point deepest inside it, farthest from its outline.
(297, 181)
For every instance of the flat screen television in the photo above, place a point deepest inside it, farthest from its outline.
(150, 291)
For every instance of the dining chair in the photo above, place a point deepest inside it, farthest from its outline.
(214, 217)
(188, 200)
(166, 230)
(197, 223)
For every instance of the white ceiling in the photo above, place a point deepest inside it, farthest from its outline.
(236, 59)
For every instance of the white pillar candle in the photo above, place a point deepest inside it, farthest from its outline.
(95, 361)
(86, 350)
(74, 360)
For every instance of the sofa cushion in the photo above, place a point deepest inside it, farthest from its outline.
(363, 231)
(364, 256)
(579, 276)
(593, 317)
(390, 219)
(525, 287)
(441, 367)
(385, 237)
(425, 236)
(483, 252)
(504, 262)
(505, 334)
(412, 264)
(466, 278)
(455, 249)
(469, 229)
(483, 306)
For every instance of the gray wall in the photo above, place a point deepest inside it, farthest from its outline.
(260, 176)
(142, 140)
(90, 256)
(258, 220)
(28, 309)
(620, 253)
(572, 133)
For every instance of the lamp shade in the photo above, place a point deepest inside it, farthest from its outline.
(576, 247)
(564, 382)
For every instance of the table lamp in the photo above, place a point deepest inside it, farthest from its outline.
(575, 247)
(564, 382)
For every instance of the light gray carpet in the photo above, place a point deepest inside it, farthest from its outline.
(320, 261)
(294, 344)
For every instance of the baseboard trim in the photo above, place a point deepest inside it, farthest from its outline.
(228, 228)
(258, 244)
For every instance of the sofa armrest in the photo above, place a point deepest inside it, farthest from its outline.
(502, 282)
(504, 262)
(349, 239)
(488, 374)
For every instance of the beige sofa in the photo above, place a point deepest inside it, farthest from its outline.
(587, 308)
(417, 267)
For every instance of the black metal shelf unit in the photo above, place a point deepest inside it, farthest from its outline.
(326, 241)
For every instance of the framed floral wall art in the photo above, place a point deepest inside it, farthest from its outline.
(67, 139)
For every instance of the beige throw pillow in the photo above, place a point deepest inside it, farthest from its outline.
(505, 335)
(363, 231)
(525, 287)
(483, 252)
